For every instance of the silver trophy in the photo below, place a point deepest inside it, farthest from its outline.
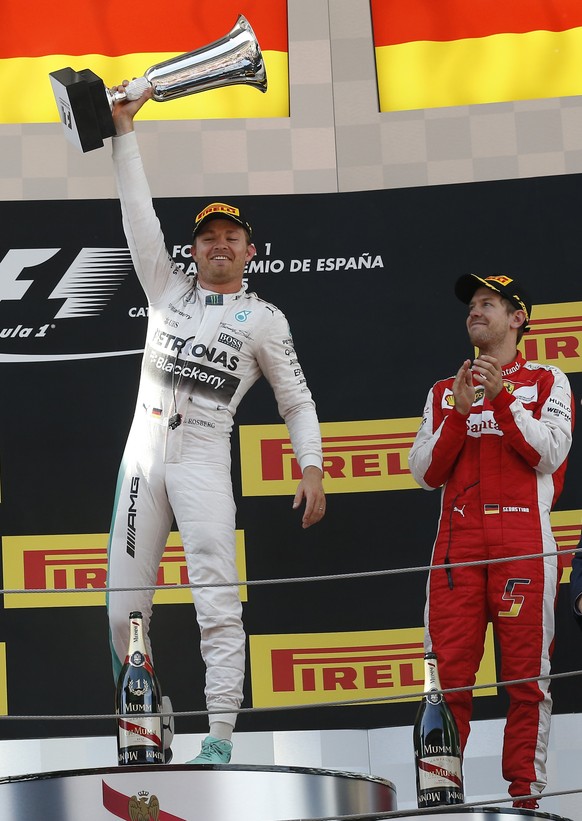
(85, 104)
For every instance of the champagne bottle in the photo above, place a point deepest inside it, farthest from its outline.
(437, 749)
(138, 702)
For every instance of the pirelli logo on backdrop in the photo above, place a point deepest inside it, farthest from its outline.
(56, 564)
(555, 337)
(357, 457)
(316, 668)
(567, 529)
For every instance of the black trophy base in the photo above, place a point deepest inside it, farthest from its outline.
(83, 106)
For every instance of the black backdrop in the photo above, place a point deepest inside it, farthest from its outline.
(371, 342)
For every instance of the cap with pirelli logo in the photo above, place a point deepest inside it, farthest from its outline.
(220, 210)
(505, 285)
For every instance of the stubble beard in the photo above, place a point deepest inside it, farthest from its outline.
(485, 338)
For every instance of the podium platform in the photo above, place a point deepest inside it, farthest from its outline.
(193, 793)
(479, 814)
(220, 793)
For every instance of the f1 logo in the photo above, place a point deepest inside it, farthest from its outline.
(14, 263)
(85, 287)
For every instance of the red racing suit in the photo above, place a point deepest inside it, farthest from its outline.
(203, 352)
(501, 468)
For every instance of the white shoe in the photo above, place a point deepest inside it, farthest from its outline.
(168, 728)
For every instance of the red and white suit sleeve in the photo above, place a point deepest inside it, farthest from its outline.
(542, 441)
(437, 444)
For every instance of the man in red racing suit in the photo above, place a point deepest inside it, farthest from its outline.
(208, 340)
(495, 437)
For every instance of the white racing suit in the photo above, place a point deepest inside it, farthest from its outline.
(202, 353)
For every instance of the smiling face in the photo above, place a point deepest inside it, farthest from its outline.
(492, 320)
(221, 250)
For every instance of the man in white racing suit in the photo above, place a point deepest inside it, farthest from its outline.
(208, 340)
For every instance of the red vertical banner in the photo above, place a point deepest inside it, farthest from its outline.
(463, 52)
(123, 42)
